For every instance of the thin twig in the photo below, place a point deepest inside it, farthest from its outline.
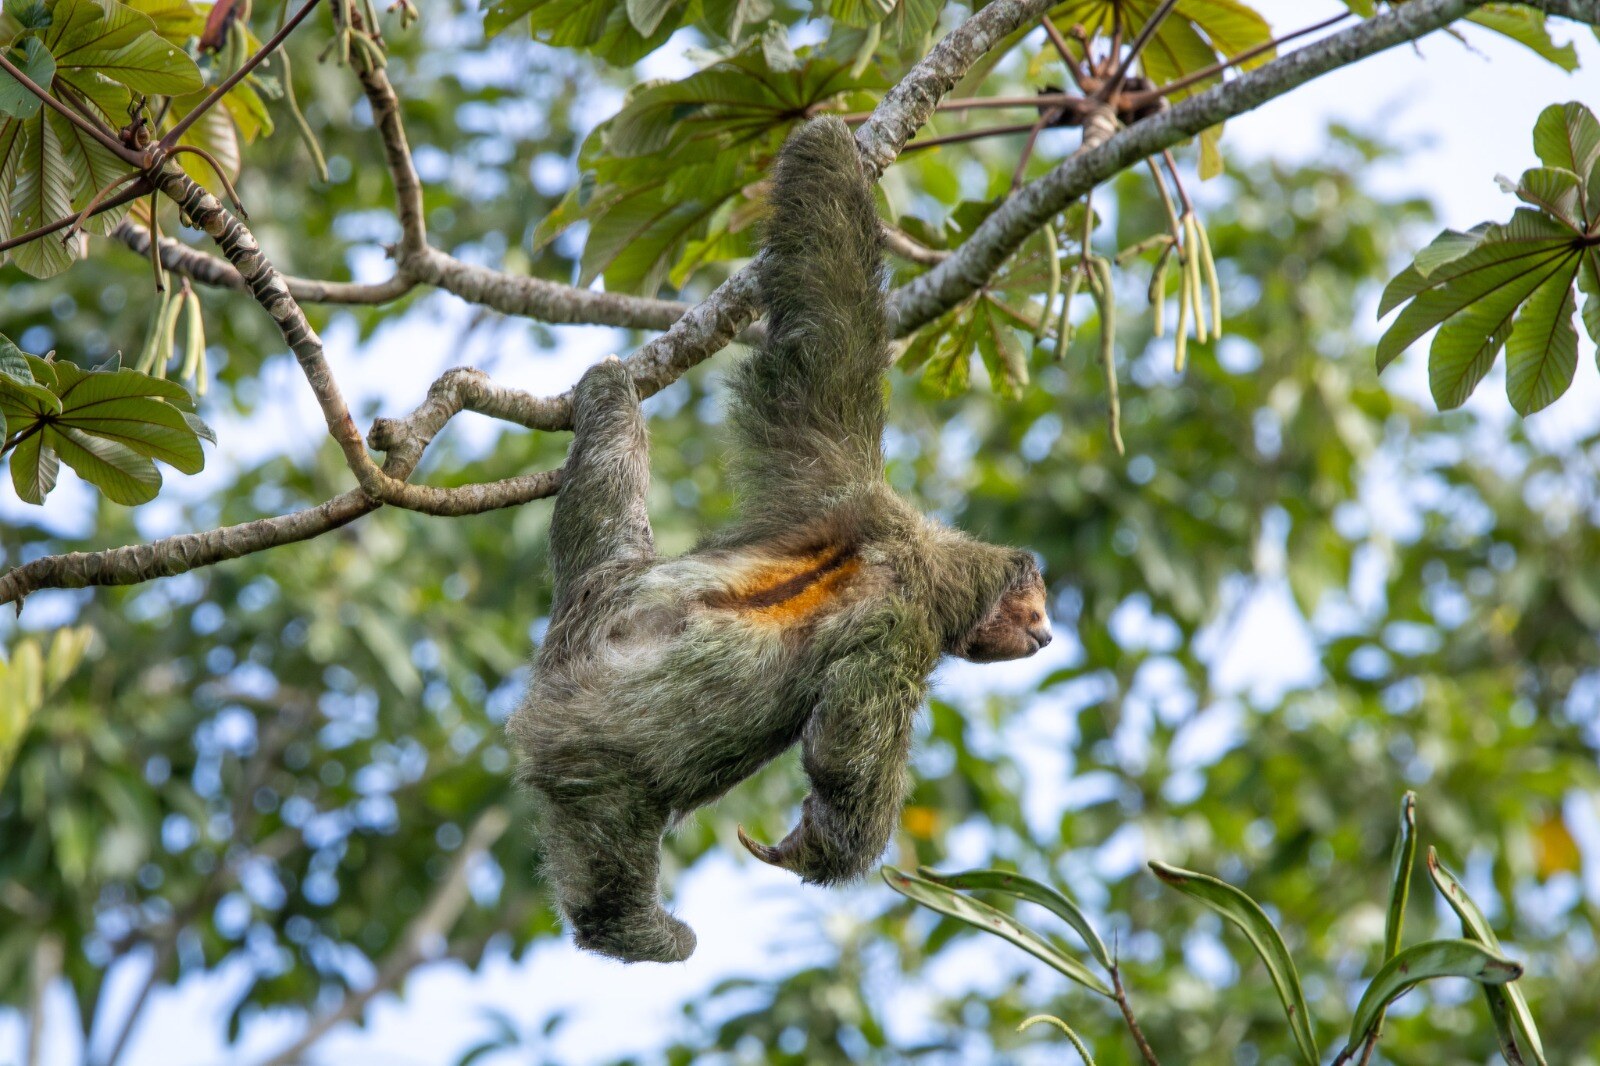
(968, 135)
(1067, 57)
(1136, 100)
(183, 124)
(127, 195)
(1147, 31)
(1127, 1016)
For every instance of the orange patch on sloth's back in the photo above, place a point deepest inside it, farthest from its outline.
(786, 591)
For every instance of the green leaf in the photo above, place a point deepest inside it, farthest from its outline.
(33, 469)
(1422, 962)
(1567, 136)
(1466, 346)
(125, 476)
(1246, 914)
(1400, 866)
(1526, 26)
(117, 42)
(14, 362)
(1542, 351)
(1555, 191)
(1001, 348)
(1508, 256)
(94, 167)
(646, 15)
(34, 60)
(43, 193)
(980, 915)
(1513, 1019)
(118, 406)
(1025, 888)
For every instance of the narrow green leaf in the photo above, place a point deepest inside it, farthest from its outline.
(34, 60)
(13, 361)
(1400, 866)
(1513, 1019)
(1025, 888)
(1542, 351)
(1246, 914)
(1001, 348)
(1422, 962)
(980, 915)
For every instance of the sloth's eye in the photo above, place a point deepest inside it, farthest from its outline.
(1035, 618)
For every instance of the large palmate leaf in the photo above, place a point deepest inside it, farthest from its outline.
(114, 41)
(108, 425)
(603, 27)
(667, 180)
(1247, 916)
(1195, 35)
(1511, 286)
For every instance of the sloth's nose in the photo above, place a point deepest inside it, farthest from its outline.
(1042, 636)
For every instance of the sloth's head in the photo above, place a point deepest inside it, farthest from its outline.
(1015, 627)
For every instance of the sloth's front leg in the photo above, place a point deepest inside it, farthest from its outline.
(855, 748)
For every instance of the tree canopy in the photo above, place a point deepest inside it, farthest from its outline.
(266, 740)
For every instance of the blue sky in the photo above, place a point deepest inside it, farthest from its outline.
(1468, 112)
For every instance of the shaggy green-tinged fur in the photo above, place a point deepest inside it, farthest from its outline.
(652, 696)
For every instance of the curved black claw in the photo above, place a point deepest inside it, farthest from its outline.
(766, 853)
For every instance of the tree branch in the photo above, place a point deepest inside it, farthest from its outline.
(708, 326)
(1003, 232)
(417, 944)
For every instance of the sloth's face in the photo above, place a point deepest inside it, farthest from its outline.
(1014, 628)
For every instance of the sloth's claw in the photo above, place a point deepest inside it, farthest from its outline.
(766, 853)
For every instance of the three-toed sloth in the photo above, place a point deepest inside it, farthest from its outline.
(817, 618)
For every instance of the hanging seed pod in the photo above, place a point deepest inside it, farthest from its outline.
(1052, 252)
(1191, 248)
(194, 343)
(307, 136)
(1210, 264)
(1100, 287)
(1158, 289)
(1064, 325)
(151, 351)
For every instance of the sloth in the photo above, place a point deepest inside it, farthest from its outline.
(815, 619)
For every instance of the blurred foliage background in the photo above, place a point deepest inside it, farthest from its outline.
(272, 763)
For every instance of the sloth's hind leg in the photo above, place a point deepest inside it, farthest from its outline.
(605, 858)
